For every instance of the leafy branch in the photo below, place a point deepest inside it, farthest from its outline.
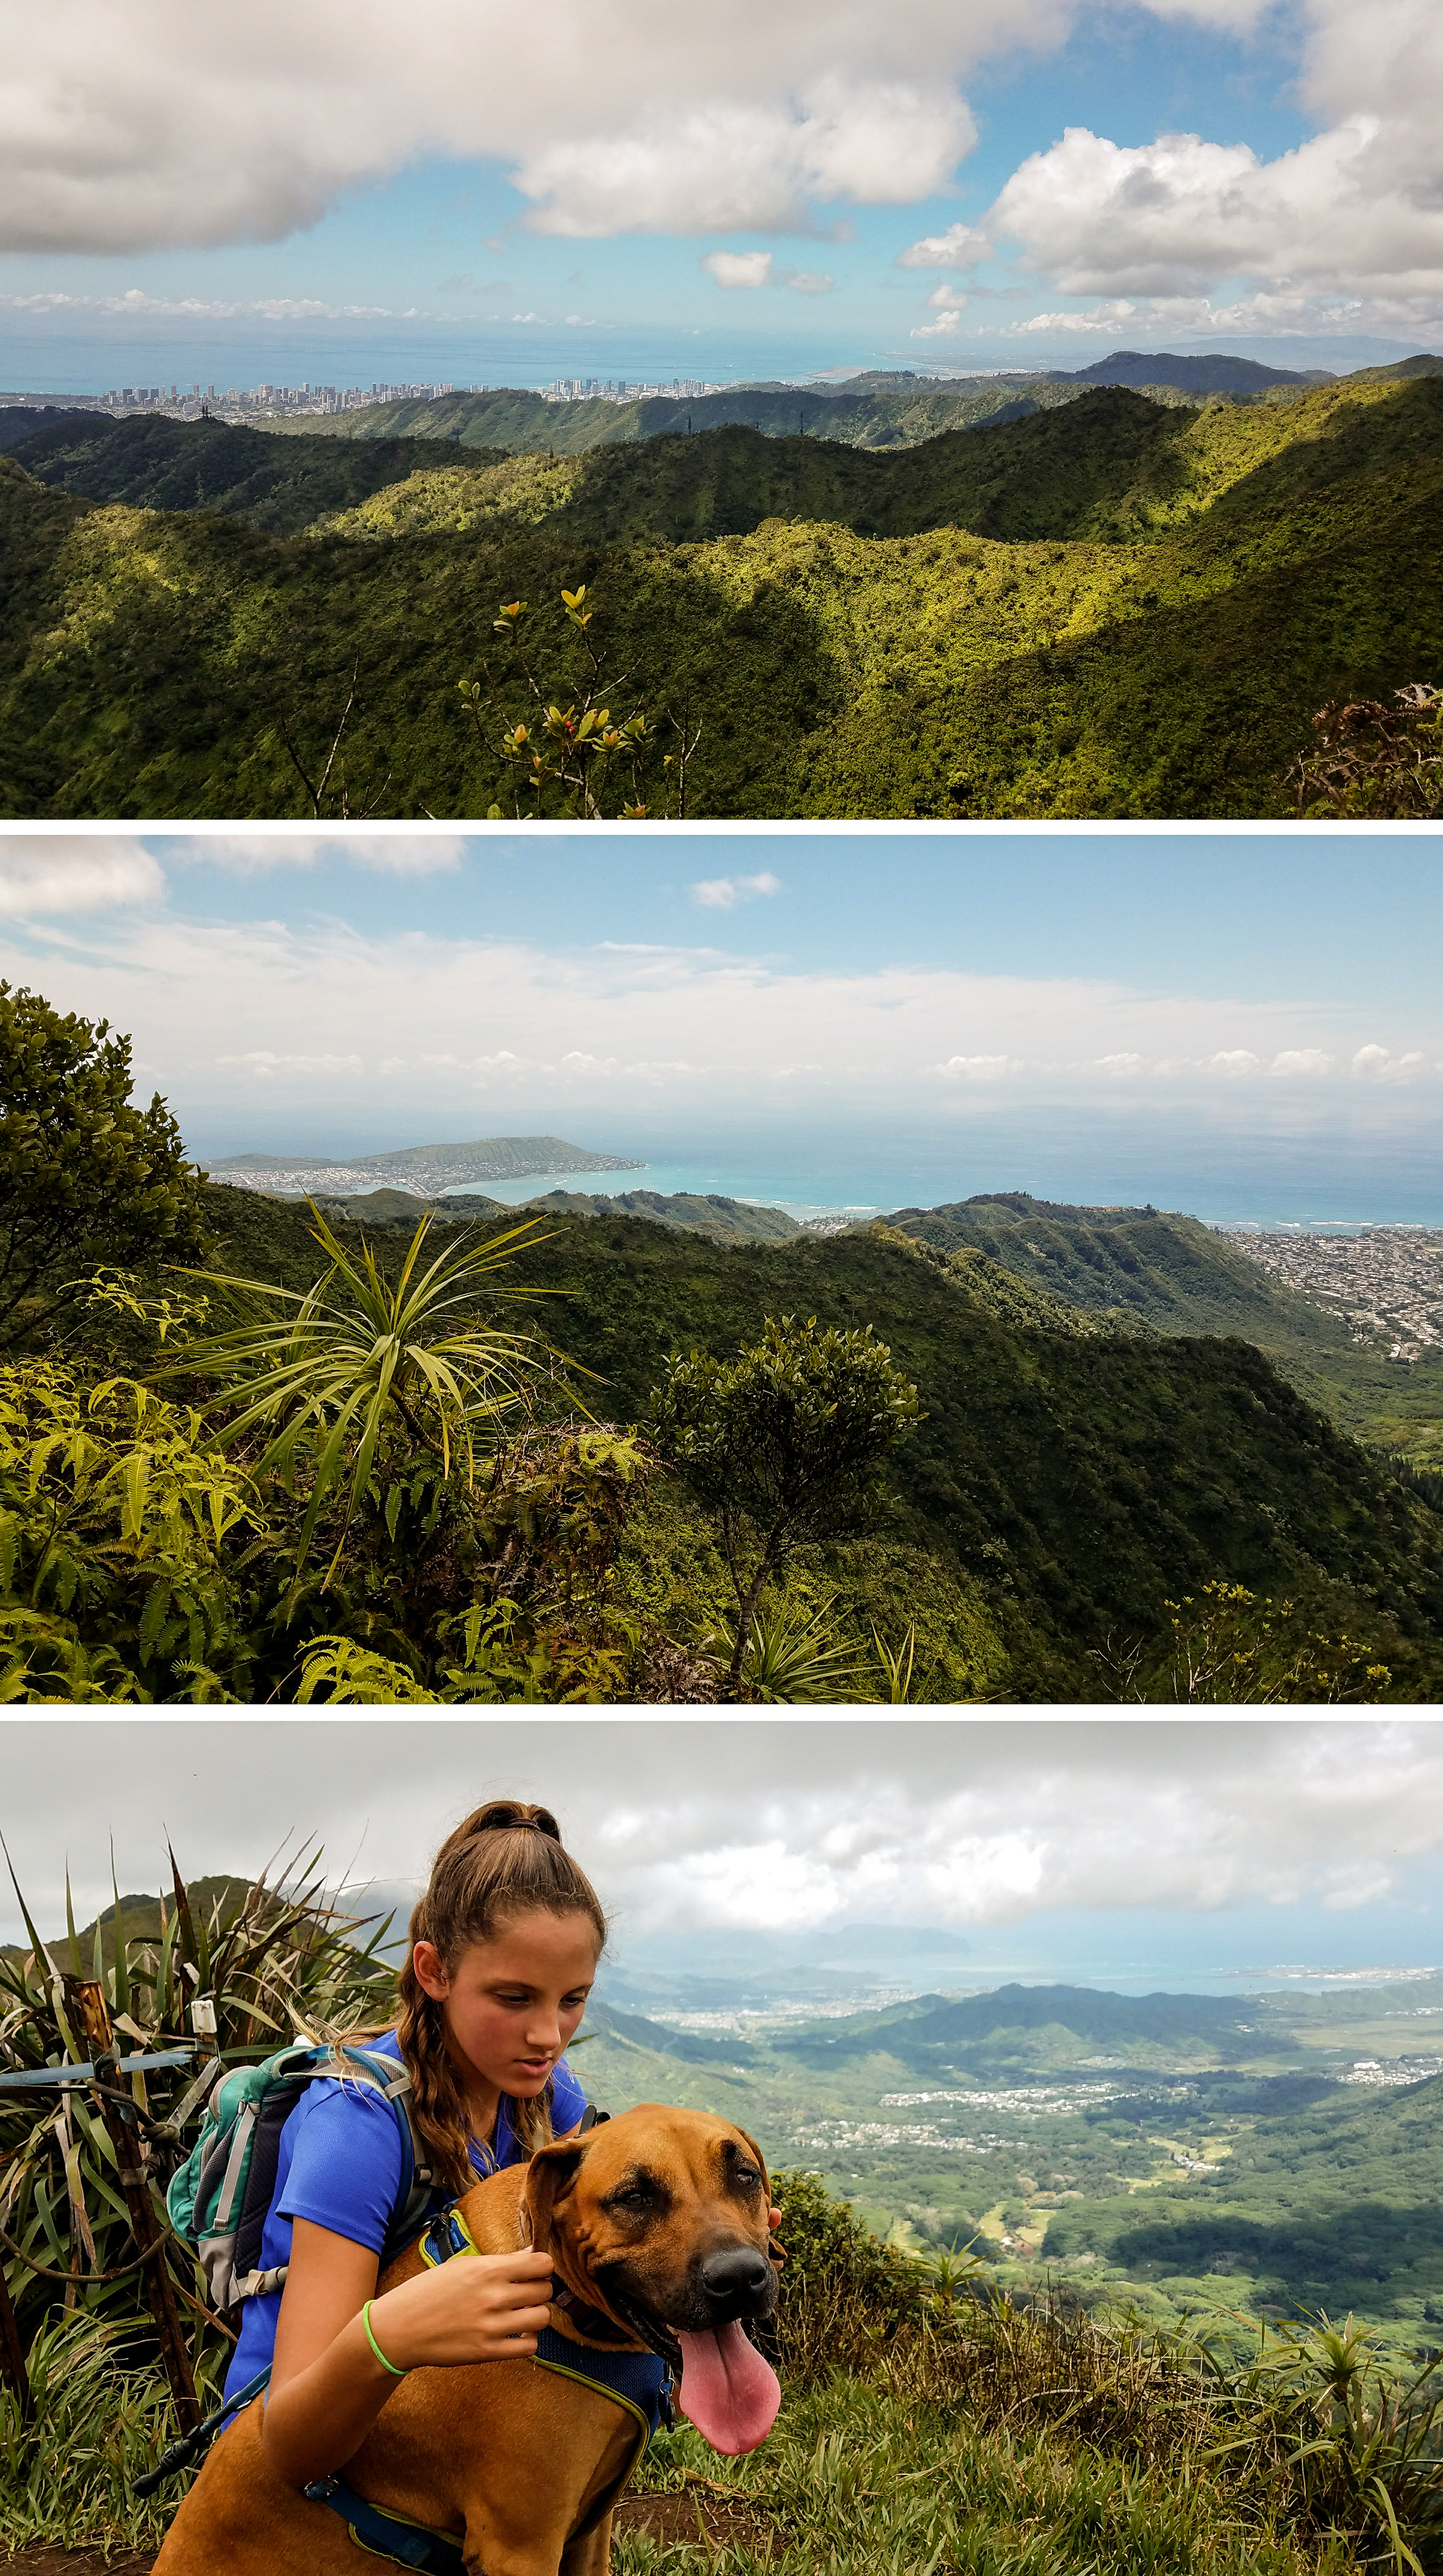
(578, 751)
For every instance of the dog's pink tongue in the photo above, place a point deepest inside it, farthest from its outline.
(729, 2392)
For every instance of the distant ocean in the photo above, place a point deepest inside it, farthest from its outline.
(817, 1188)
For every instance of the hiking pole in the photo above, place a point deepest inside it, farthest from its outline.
(12, 2358)
(130, 2173)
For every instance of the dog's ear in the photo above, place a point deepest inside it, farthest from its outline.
(549, 2177)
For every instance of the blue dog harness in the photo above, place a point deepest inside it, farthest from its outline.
(640, 2383)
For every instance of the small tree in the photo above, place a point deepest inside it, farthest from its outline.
(85, 1176)
(784, 1443)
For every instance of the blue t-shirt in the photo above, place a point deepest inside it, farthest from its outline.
(340, 2166)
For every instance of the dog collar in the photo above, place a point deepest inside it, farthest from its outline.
(642, 2382)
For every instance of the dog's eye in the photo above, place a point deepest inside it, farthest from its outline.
(639, 2196)
(745, 2178)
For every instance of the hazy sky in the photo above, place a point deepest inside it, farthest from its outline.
(964, 997)
(1228, 1842)
(710, 188)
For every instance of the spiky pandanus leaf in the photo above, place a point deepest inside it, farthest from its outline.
(347, 1360)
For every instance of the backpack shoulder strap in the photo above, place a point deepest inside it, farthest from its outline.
(419, 2179)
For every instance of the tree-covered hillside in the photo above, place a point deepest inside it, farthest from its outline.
(883, 411)
(154, 463)
(1079, 1484)
(1245, 566)
(1174, 1275)
(1332, 2206)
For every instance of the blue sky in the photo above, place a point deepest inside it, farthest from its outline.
(1236, 1023)
(297, 193)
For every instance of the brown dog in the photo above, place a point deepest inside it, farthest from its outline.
(656, 2223)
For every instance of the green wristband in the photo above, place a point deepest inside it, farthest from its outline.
(375, 2347)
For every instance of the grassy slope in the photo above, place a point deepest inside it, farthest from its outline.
(1244, 565)
(1082, 1482)
(1176, 1275)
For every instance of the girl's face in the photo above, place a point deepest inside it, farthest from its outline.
(512, 2003)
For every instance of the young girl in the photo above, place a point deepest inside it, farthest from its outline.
(504, 1948)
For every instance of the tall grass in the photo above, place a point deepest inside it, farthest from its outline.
(67, 2477)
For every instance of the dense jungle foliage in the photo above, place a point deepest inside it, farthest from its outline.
(1063, 1488)
(1112, 607)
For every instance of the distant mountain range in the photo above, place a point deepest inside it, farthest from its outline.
(1213, 373)
(426, 1170)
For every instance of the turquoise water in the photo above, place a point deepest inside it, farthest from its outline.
(710, 1179)
(817, 1187)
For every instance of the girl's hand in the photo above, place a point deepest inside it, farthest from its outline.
(482, 2307)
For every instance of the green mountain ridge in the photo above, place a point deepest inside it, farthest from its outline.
(1172, 1274)
(1148, 611)
(151, 462)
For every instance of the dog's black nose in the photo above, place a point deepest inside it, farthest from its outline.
(739, 2279)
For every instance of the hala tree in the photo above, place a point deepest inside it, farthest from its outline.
(785, 1443)
(85, 1176)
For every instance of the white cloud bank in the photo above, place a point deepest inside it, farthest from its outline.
(162, 124)
(316, 1019)
(43, 877)
(769, 1825)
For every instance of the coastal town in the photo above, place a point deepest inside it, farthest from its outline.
(1384, 1281)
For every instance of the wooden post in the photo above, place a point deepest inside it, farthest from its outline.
(125, 2138)
(12, 2358)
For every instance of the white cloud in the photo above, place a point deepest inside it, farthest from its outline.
(414, 1034)
(945, 325)
(961, 246)
(1380, 1064)
(160, 126)
(252, 854)
(723, 894)
(809, 281)
(42, 876)
(137, 305)
(979, 1068)
(1304, 1060)
(732, 268)
(265, 1064)
(164, 126)
(1354, 211)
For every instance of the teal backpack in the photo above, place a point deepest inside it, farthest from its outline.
(219, 2199)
